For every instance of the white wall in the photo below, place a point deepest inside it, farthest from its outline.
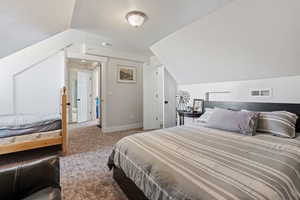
(6, 92)
(38, 89)
(26, 58)
(30, 56)
(124, 101)
(245, 40)
(284, 90)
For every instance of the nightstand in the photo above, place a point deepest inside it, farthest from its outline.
(182, 114)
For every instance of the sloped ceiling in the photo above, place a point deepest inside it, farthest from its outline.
(247, 39)
(26, 22)
(107, 18)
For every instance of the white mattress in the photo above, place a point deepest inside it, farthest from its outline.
(22, 119)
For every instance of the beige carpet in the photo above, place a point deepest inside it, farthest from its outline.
(84, 174)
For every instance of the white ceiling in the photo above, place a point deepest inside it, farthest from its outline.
(107, 18)
(25, 22)
(245, 40)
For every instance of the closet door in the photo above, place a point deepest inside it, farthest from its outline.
(153, 97)
(170, 91)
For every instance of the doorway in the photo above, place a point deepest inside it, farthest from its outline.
(84, 79)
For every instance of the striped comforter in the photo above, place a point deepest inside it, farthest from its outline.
(194, 162)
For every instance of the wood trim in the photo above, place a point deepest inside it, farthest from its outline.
(27, 145)
(45, 142)
(64, 132)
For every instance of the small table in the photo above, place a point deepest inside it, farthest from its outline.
(183, 114)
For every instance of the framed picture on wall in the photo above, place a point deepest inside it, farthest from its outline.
(198, 105)
(126, 74)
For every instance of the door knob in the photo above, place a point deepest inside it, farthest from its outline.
(78, 99)
(166, 102)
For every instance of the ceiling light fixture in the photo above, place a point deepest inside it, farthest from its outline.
(136, 18)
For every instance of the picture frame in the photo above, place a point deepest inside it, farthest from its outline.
(198, 105)
(126, 74)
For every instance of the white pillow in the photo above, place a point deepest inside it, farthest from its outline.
(204, 118)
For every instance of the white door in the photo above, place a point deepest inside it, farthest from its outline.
(153, 97)
(84, 96)
(170, 91)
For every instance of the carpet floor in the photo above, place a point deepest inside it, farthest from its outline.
(84, 174)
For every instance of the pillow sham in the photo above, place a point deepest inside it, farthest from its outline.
(206, 115)
(278, 123)
(290, 115)
(235, 121)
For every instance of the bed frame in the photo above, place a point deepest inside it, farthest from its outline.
(61, 139)
(134, 193)
(128, 186)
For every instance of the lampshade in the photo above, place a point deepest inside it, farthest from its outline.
(136, 18)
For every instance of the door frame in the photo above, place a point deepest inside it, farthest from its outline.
(102, 89)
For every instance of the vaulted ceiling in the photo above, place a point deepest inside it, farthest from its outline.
(24, 23)
(245, 40)
(107, 18)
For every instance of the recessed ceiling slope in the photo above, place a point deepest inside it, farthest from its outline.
(107, 18)
(26, 22)
(245, 40)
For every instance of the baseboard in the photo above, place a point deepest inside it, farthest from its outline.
(122, 128)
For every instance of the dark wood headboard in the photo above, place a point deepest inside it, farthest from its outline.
(293, 108)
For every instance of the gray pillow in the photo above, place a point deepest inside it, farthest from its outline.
(278, 123)
(235, 121)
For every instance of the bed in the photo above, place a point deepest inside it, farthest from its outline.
(26, 132)
(196, 162)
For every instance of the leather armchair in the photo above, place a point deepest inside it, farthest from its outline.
(38, 180)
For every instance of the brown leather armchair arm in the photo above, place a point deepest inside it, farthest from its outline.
(33, 180)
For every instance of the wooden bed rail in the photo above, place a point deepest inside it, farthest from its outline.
(59, 139)
(64, 132)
